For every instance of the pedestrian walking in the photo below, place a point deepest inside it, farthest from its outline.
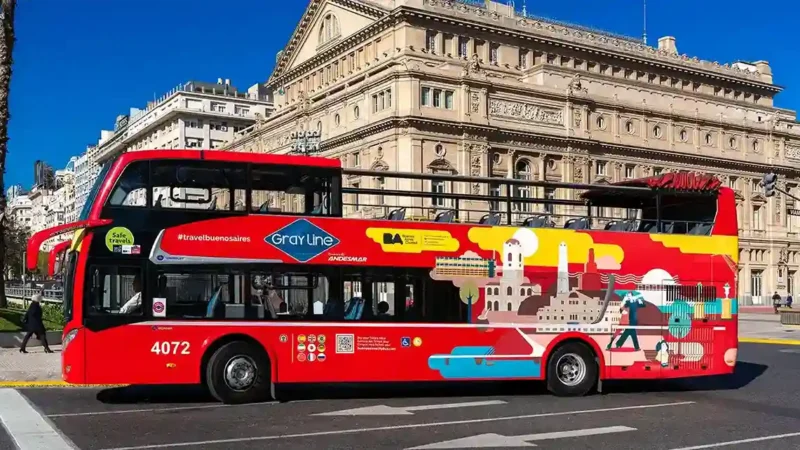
(776, 301)
(789, 300)
(34, 324)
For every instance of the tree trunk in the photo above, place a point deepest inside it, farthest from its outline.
(7, 39)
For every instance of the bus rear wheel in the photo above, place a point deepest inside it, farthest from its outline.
(238, 372)
(571, 370)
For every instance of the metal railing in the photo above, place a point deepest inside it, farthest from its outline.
(24, 294)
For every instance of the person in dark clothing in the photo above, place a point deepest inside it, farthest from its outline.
(34, 324)
(776, 301)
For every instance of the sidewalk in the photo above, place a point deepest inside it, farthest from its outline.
(765, 327)
(36, 368)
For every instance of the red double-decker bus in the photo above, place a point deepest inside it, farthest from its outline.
(55, 259)
(245, 271)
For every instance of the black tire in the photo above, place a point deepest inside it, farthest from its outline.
(256, 390)
(582, 356)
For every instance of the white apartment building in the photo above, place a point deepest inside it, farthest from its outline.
(62, 208)
(19, 207)
(85, 173)
(193, 115)
(40, 198)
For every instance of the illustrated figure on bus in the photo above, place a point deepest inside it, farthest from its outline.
(633, 306)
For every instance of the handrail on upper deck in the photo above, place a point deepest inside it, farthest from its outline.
(490, 180)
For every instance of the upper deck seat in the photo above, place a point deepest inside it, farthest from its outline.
(700, 229)
(490, 219)
(445, 216)
(397, 214)
(580, 223)
(537, 222)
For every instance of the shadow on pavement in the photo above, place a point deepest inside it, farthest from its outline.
(198, 394)
(743, 375)
(155, 394)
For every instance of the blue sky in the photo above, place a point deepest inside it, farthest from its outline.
(79, 64)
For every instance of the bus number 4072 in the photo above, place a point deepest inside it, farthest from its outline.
(170, 348)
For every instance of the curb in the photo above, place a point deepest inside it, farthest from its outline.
(772, 341)
(54, 384)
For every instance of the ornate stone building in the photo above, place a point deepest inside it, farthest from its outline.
(476, 88)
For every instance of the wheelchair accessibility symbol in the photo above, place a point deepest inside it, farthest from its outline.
(405, 342)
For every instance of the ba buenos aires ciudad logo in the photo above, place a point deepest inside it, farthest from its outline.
(302, 240)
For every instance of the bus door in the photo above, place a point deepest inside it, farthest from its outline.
(114, 298)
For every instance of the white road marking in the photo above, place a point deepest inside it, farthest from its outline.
(741, 441)
(29, 429)
(383, 410)
(401, 427)
(498, 440)
(177, 408)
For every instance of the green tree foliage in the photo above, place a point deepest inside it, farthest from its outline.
(16, 240)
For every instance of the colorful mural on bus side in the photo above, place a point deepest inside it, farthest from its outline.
(671, 311)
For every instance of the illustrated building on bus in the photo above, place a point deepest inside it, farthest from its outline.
(579, 307)
(465, 266)
(508, 293)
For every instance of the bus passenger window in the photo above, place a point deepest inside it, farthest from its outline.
(115, 290)
(292, 294)
(200, 295)
(131, 189)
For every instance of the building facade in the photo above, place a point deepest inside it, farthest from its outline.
(19, 207)
(193, 115)
(477, 88)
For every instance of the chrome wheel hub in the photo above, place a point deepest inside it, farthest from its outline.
(571, 369)
(240, 373)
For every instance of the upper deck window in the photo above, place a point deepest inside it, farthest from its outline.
(199, 185)
(101, 178)
(290, 190)
(131, 189)
(227, 187)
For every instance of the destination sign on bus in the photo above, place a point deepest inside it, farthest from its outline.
(302, 240)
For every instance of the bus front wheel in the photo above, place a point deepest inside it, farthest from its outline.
(571, 370)
(238, 372)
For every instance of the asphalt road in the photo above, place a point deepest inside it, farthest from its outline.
(6, 443)
(750, 408)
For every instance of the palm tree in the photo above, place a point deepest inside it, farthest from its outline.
(7, 10)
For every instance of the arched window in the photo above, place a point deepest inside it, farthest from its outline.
(496, 305)
(530, 291)
(496, 291)
(509, 306)
(523, 172)
(522, 292)
(329, 29)
(509, 291)
(510, 258)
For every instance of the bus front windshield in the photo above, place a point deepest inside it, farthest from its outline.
(87, 207)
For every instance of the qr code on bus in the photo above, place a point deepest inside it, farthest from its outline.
(345, 343)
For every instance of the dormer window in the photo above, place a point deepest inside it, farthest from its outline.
(329, 29)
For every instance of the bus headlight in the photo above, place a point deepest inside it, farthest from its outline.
(68, 338)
